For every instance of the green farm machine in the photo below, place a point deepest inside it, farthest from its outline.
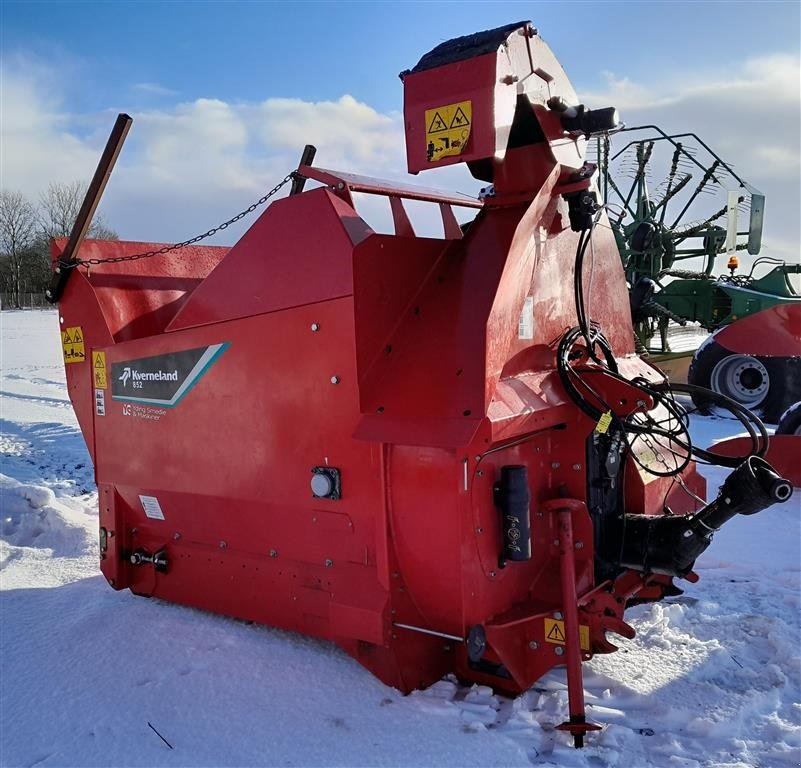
(678, 210)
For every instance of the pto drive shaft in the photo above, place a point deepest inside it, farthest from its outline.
(670, 545)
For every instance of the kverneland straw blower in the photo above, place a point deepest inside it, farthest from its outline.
(441, 453)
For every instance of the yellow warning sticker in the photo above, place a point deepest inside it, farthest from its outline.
(72, 344)
(603, 423)
(99, 370)
(555, 633)
(447, 130)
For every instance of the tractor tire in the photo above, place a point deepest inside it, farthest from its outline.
(790, 422)
(765, 385)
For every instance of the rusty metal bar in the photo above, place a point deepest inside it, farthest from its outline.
(93, 194)
(306, 158)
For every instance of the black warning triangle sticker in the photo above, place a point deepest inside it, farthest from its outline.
(77, 338)
(99, 362)
(459, 119)
(437, 124)
(66, 338)
(555, 634)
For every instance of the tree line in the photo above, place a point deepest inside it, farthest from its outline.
(26, 229)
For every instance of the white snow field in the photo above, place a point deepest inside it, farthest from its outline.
(713, 677)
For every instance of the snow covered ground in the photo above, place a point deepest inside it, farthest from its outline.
(713, 677)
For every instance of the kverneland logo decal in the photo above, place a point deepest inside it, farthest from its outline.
(135, 375)
(162, 380)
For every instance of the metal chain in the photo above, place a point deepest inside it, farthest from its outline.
(191, 241)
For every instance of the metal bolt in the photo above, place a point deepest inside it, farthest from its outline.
(273, 553)
(533, 645)
(335, 379)
(480, 473)
(579, 545)
(559, 651)
(555, 465)
(176, 536)
(577, 467)
(58, 270)
(557, 615)
(315, 327)
(727, 500)
(556, 542)
(328, 562)
(479, 530)
(223, 544)
(493, 574)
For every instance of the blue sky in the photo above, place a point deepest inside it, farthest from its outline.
(224, 95)
(250, 50)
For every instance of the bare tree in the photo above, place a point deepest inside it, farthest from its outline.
(59, 206)
(17, 233)
(25, 235)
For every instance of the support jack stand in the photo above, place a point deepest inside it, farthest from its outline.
(577, 725)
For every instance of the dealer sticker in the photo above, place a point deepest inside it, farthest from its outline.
(151, 507)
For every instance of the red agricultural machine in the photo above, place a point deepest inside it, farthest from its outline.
(443, 453)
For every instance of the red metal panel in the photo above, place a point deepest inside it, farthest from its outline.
(784, 453)
(287, 262)
(775, 332)
(139, 298)
(387, 274)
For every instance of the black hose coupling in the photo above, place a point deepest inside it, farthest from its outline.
(669, 544)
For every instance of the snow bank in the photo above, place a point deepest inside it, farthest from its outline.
(29, 518)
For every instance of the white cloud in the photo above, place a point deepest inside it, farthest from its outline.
(38, 142)
(153, 89)
(185, 166)
(343, 131)
(760, 81)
